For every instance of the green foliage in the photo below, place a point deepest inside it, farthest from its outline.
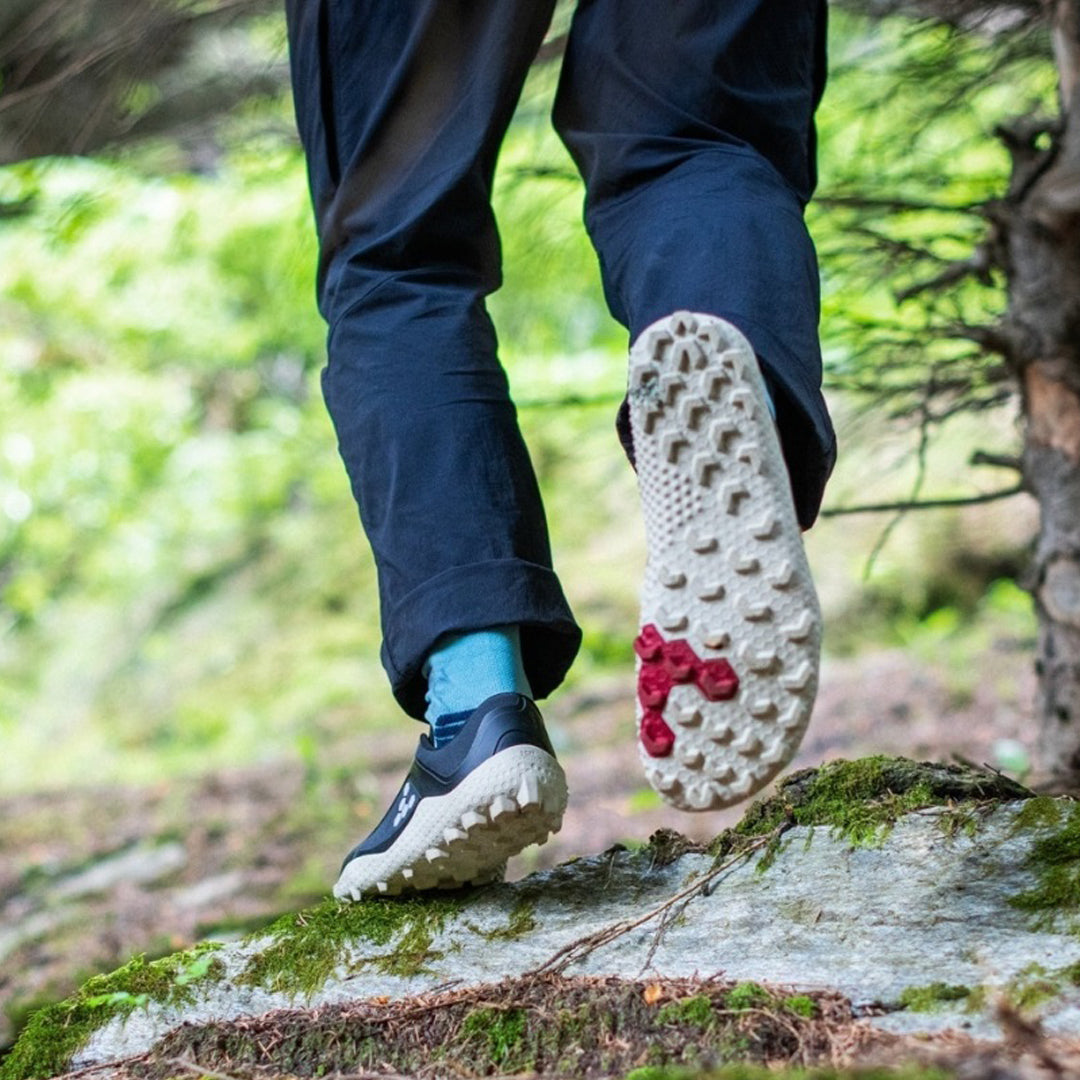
(183, 582)
(916, 211)
(55, 1033)
(801, 1005)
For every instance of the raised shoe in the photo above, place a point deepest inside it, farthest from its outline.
(730, 631)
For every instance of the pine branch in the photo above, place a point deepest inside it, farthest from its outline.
(904, 505)
(896, 205)
(999, 461)
(979, 266)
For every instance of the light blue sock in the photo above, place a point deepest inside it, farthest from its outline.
(465, 669)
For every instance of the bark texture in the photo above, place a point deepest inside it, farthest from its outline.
(1037, 240)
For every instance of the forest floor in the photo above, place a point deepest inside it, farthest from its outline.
(89, 877)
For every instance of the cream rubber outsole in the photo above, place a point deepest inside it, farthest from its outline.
(726, 571)
(514, 799)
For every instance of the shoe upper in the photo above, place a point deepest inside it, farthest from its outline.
(500, 722)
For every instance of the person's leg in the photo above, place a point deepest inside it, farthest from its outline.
(401, 108)
(692, 125)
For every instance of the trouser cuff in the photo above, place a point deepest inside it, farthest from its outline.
(476, 597)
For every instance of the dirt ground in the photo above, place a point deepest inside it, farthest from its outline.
(89, 877)
(552, 1027)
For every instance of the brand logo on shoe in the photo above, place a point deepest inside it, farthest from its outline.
(405, 803)
(663, 664)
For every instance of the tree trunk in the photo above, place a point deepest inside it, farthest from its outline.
(1038, 239)
(1052, 472)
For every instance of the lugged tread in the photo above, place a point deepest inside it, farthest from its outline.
(726, 569)
(701, 542)
(711, 590)
(514, 799)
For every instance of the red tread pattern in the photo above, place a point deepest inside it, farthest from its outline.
(663, 665)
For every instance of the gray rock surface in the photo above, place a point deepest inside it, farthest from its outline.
(922, 907)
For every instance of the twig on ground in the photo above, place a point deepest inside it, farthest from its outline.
(992, 770)
(88, 1070)
(577, 950)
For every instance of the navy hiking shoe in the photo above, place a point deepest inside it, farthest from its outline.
(464, 808)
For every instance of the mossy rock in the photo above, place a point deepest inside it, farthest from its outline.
(861, 800)
(401, 943)
(307, 947)
(1055, 859)
(55, 1033)
(299, 953)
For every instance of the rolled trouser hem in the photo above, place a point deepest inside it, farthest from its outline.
(476, 597)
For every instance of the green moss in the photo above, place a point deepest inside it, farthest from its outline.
(522, 921)
(801, 1005)
(1055, 860)
(57, 1032)
(1026, 990)
(696, 1011)
(1042, 812)
(747, 995)
(861, 800)
(933, 996)
(308, 946)
(1033, 986)
(500, 1031)
(1036, 984)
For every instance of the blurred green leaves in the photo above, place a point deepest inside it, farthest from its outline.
(183, 582)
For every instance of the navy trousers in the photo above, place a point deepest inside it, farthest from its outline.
(691, 122)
